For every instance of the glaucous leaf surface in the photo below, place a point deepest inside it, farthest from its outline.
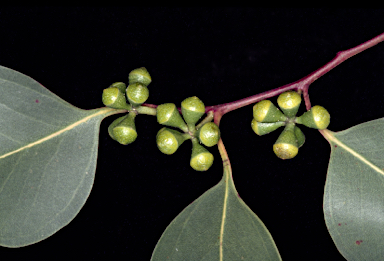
(48, 151)
(354, 191)
(217, 226)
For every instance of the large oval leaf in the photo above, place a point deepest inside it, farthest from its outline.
(217, 226)
(48, 151)
(354, 191)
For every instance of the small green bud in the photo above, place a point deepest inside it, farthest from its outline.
(137, 94)
(113, 125)
(262, 128)
(114, 98)
(289, 103)
(192, 109)
(317, 117)
(167, 114)
(286, 145)
(201, 158)
(120, 85)
(300, 137)
(168, 140)
(265, 111)
(140, 75)
(208, 134)
(125, 131)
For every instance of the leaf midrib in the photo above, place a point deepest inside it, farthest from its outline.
(330, 136)
(223, 215)
(57, 133)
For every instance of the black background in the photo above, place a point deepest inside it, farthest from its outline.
(219, 55)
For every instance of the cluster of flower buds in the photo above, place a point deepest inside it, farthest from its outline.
(169, 140)
(123, 129)
(267, 118)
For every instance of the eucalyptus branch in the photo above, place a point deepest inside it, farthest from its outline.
(300, 85)
(340, 57)
(225, 209)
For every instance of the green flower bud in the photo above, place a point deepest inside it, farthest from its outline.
(192, 109)
(265, 111)
(317, 117)
(120, 85)
(286, 145)
(168, 140)
(262, 128)
(201, 158)
(167, 114)
(208, 134)
(289, 103)
(113, 125)
(114, 98)
(125, 131)
(137, 94)
(300, 137)
(140, 75)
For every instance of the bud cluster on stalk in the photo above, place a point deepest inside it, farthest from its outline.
(267, 118)
(169, 140)
(123, 129)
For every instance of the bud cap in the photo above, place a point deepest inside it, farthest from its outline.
(125, 131)
(192, 109)
(168, 140)
(137, 94)
(167, 114)
(113, 125)
(112, 97)
(140, 75)
(201, 158)
(317, 117)
(286, 145)
(289, 103)
(208, 134)
(266, 111)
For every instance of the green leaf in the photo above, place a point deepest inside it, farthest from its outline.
(48, 151)
(217, 226)
(354, 191)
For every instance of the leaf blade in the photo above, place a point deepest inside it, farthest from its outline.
(48, 159)
(217, 226)
(353, 205)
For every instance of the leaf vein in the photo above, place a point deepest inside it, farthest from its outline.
(57, 133)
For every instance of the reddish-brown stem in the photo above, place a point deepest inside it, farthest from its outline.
(301, 85)
(340, 57)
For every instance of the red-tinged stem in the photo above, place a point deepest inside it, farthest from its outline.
(340, 57)
(301, 85)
